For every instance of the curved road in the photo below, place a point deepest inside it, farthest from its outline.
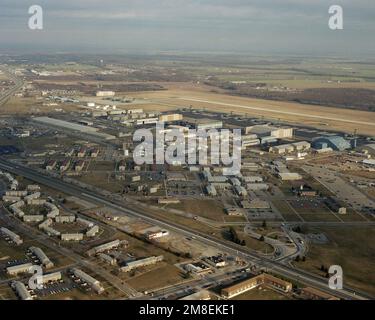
(122, 207)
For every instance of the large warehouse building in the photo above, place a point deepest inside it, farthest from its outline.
(335, 142)
(270, 131)
(170, 117)
(51, 122)
(206, 124)
(105, 93)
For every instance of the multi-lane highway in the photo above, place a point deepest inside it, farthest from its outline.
(122, 207)
(180, 290)
(18, 83)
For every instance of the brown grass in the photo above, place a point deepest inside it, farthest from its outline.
(270, 109)
(162, 276)
(209, 209)
(351, 248)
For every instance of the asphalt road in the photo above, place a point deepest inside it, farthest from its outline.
(233, 249)
(7, 94)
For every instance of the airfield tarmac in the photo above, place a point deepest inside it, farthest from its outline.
(345, 120)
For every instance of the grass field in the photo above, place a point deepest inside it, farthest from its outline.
(209, 209)
(185, 94)
(6, 293)
(159, 277)
(252, 243)
(10, 252)
(28, 106)
(102, 180)
(317, 217)
(290, 213)
(285, 210)
(220, 233)
(351, 248)
(256, 245)
(315, 116)
(234, 219)
(102, 166)
(351, 216)
(189, 223)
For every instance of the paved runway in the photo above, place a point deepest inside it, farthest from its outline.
(278, 111)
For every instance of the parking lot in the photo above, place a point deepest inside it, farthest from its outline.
(262, 214)
(55, 288)
(184, 188)
(342, 189)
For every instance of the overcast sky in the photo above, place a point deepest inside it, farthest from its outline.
(254, 26)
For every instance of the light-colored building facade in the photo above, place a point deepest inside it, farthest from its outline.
(21, 268)
(13, 236)
(95, 284)
(171, 117)
(260, 280)
(72, 236)
(45, 261)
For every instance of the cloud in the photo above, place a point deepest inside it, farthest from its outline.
(218, 25)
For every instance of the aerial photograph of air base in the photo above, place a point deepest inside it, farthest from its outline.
(90, 211)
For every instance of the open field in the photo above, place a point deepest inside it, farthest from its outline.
(332, 82)
(316, 83)
(11, 252)
(255, 244)
(318, 217)
(290, 213)
(220, 233)
(188, 222)
(351, 216)
(185, 94)
(329, 95)
(234, 219)
(286, 211)
(107, 166)
(361, 173)
(352, 249)
(209, 209)
(34, 145)
(90, 87)
(6, 292)
(3, 76)
(315, 116)
(31, 106)
(312, 210)
(102, 180)
(162, 276)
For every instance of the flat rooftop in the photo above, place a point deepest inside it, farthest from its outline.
(65, 124)
(73, 127)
